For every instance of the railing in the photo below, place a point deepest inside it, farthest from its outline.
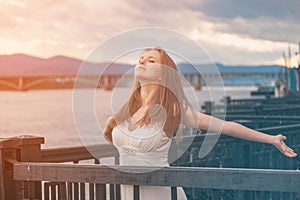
(31, 173)
(76, 154)
(212, 178)
(232, 152)
(289, 106)
(263, 121)
(18, 150)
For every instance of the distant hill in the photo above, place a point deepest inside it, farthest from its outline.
(25, 65)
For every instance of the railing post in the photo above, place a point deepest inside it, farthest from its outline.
(18, 149)
(208, 106)
(7, 149)
(29, 150)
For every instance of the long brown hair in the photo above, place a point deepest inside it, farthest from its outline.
(170, 96)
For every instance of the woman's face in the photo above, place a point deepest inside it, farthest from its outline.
(149, 68)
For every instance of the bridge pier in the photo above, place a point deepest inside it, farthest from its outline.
(20, 83)
(107, 82)
(197, 82)
(194, 80)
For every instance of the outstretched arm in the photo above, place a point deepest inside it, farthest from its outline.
(203, 121)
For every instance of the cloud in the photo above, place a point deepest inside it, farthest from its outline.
(275, 20)
(233, 31)
(261, 28)
(277, 9)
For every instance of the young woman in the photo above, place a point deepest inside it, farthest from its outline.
(157, 107)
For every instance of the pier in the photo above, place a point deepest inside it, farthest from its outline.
(234, 169)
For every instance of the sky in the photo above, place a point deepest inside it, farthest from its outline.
(231, 31)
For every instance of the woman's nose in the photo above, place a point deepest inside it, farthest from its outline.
(142, 61)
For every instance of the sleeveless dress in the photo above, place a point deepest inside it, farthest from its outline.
(144, 146)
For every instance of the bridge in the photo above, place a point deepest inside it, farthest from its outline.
(108, 81)
(23, 83)
(199, 81)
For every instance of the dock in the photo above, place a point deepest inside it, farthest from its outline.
(234, 169)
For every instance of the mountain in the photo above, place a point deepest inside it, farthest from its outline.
(20, 64)
(25, 65)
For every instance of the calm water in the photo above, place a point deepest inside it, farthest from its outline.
(49, 113)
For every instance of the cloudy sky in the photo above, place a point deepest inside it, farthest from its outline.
(232, 31)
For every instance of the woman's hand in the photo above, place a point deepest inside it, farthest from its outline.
(278, 142)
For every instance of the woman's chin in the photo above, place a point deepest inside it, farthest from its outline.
(138, 77)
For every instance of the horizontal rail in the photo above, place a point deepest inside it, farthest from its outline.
(263, 117)
(211, 178)
(286, 129)
(75, 154)
(283, 100)
(277, 110)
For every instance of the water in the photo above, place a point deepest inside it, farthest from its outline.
(245, 81)
(49, 113)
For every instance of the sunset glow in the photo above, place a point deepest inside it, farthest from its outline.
(74, 28)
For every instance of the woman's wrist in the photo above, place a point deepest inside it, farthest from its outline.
(272, 139)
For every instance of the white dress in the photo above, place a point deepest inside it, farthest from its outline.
(144, 146)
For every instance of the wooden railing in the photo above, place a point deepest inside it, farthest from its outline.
(263, 121)
(29, 172)
(76, 154)
(288, 106)
(233, 152)
(18, 150)
(212, 178)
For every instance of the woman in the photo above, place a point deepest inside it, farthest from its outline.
(142, 129)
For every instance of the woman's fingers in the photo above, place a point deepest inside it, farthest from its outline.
(287, 150)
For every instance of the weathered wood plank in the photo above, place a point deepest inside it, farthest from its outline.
(70, 154)
(174, 193)
(92, 191)
(7, 146)
(82, 191)
(2, 189)
(136, 192)
(70, 190)
(111, 191)
(213, 178)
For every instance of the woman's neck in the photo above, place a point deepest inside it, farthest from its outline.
(147, 93)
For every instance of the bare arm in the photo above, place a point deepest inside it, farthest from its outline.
(107, 132)
(203, 121)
